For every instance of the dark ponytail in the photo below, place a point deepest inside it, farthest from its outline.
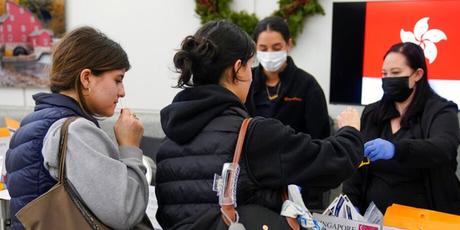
(204, 56)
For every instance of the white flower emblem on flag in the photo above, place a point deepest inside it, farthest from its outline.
(425, 38)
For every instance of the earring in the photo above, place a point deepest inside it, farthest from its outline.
(89, 92)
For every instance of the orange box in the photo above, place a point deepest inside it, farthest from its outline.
(406, 217)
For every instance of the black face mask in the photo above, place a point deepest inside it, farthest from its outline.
(396, 88)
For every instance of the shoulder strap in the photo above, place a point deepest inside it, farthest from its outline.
(240, 141)
(90, 218)
(228, 211)
(63, 147)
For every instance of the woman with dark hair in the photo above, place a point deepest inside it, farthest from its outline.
(280, 89)
(86, 81)
(412, 137)
(285, 92)
(202, 124)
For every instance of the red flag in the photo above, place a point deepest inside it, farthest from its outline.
(438, 25)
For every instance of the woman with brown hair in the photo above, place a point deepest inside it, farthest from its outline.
(86, 81)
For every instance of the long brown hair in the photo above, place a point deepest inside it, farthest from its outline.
(84, 48)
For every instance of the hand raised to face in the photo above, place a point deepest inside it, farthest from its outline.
(128, 129)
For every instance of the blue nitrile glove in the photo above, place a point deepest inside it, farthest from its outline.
(379, 149)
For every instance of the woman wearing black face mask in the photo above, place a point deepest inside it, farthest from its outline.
(411, 135)
(397, 88)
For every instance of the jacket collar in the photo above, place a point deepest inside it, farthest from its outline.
(193, 108)
(47, 100)
(285, 75)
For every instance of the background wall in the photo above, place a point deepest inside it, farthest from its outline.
(150, 31)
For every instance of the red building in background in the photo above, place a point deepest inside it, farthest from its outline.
(21, 33)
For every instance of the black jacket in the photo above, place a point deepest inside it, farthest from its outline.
(301, 103)
(201, 126)
(435, 155)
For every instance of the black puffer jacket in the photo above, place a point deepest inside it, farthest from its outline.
(202, 125)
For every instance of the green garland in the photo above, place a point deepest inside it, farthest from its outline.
(293, 11)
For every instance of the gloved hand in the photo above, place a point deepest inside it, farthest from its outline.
(379, 149)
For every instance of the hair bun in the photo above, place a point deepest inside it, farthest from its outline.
(205, 57)
(199, 49)
(195, 55)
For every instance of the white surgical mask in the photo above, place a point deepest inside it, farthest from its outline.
(272, 61)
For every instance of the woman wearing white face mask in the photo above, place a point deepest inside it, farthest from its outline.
(280, 89)
(285, 92)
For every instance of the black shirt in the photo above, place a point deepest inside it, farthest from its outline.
(426, 150)
(300, 104)
(389, 180)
